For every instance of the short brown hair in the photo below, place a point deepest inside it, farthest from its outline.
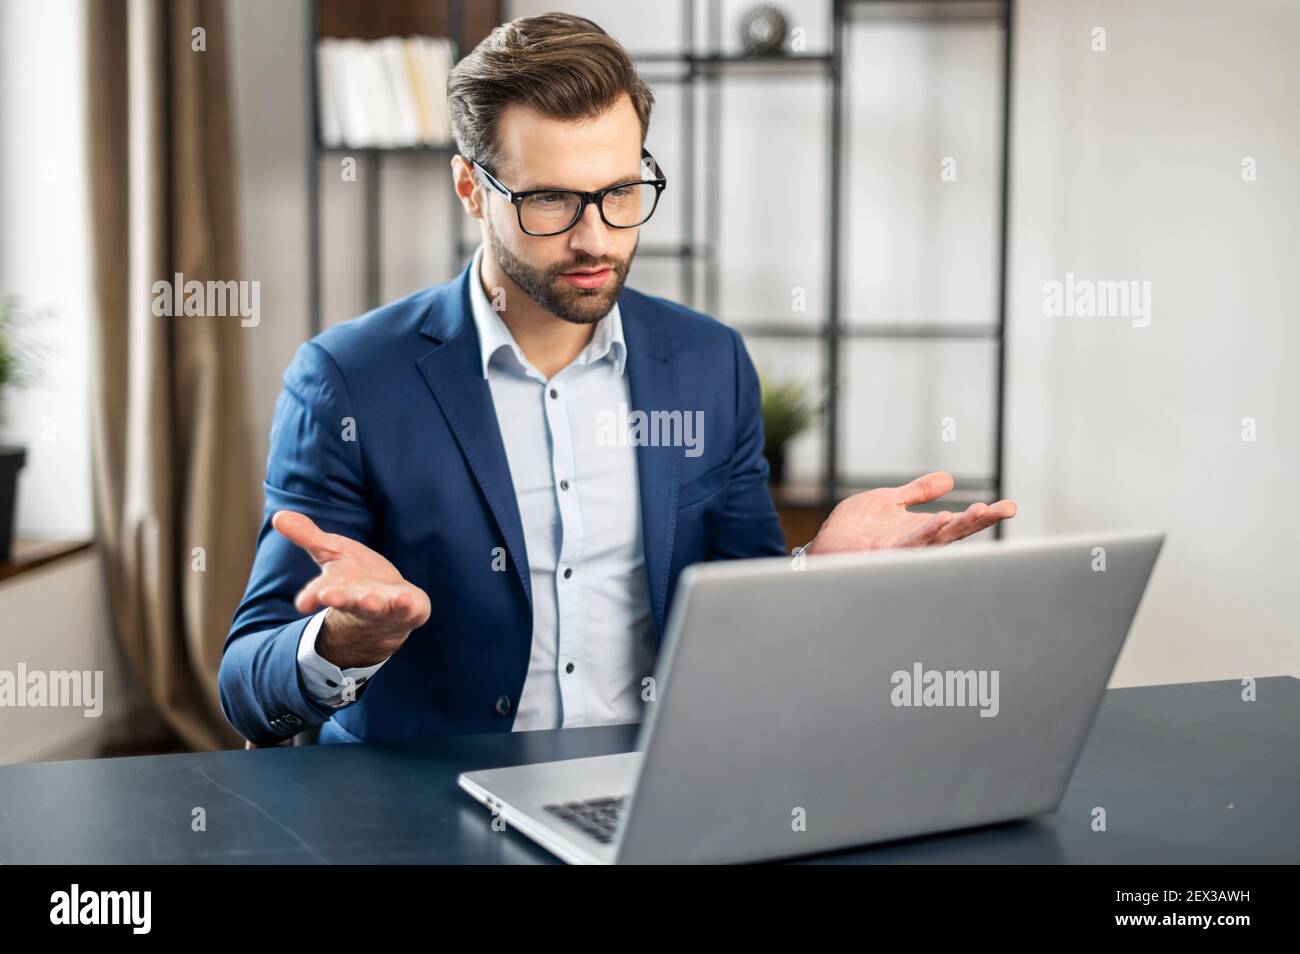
(561, 65)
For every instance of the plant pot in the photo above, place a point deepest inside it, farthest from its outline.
(775, 465)
(11, 461)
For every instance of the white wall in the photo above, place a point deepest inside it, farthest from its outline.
(266, 74)
(1127, 165)
(56, 619)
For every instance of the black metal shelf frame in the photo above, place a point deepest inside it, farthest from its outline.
(697, 253)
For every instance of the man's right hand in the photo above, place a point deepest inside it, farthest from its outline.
(373, 609)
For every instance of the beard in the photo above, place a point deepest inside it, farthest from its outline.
(547, 287)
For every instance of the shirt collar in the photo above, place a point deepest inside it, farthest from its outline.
(493, 335)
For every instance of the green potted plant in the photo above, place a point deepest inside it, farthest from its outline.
(19, 367)
(788, 411)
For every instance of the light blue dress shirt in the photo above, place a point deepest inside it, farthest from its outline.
(579, 504)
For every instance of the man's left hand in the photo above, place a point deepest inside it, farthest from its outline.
(879, 519)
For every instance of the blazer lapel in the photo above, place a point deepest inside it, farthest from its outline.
(652, 386)
(454, 374)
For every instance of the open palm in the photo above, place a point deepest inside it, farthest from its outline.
(879, 519)
(353, 577)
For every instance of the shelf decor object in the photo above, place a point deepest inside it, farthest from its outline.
(20, 366)
(787, 412)
(763, 30)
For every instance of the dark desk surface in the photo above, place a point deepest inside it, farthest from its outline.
(1187, 774)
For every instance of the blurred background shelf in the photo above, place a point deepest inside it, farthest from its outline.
(700, 68)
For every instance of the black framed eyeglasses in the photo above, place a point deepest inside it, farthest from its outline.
(626, 205)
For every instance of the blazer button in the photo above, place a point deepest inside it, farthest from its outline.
(503, 705)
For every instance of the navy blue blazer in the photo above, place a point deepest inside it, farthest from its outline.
(426, 483)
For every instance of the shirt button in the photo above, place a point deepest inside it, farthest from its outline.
(554, 393)
(564, 485)
(503, 705)
(569, 668)
(568, 573)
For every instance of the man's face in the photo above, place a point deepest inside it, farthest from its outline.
(578, 274)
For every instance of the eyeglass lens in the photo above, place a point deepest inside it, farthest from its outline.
(549, 212)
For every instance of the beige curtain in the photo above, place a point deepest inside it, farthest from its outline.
(175, 485)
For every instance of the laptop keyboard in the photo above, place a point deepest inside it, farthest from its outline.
(598, 817)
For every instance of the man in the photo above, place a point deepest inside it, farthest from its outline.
(453, 540)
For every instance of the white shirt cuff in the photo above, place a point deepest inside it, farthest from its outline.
(325, 682)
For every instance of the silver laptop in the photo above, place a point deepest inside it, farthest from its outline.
(804, 706)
